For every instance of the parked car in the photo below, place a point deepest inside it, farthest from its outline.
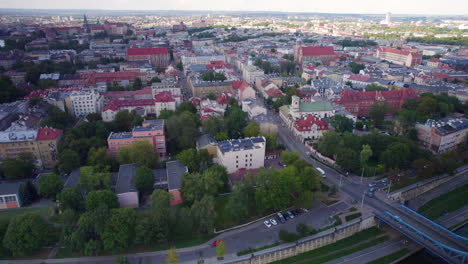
(373, 189)
(216, 243)
(281, 217)
(273, 221)
(290, 214)
(267, 223)
(369, 194)
(371, 184)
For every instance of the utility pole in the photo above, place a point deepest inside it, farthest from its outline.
(362, 174)
(389, 185)
(339, 186)
(362, 201)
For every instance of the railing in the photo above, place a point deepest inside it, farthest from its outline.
(447, 253)
(434, 223)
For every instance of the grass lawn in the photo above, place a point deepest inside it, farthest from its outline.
(352, 216)
(178, 243)
(354, 243)
(252, 250)
(390, 258)
(445, 203)
(7, 214)
(36, 254)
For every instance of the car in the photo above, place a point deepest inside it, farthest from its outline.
(273, 221)
(290, 214)
(305, 210)
(371, 184)
(216, 243)
(281, 217)
(297, 212)
(369, 194)
(267, 223)
(373, 189)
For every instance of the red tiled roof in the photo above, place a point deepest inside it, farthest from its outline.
(164, 97)
(46, 133)
(241, 85)
(350, 96)
(306, 123)
(434, 60)
(317, 51)
(146, 51)
(205, 117)
(97, 28)
(274, 93)
(116, 104)
(223, 98)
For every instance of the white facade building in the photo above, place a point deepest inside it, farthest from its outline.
(86, 102)
(247, 153)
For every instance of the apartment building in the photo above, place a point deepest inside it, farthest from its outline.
(151, 131)
(309, 127)
(86, 102)
(443, 135)
(158, 57)
(250, 73)
(400, 57)
(247, 153)
(42, 143)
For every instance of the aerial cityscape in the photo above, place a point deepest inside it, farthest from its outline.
(202, 131)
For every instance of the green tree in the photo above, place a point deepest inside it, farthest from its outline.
(221, 136)
(70, 198)
(396, 156)
(221, 250)
(348, 159)
(137, 84)
(172, 256)
(26, 233)
(182, 130)
(105, 198)
(329, 143)
(365, 154)
(27, 193)
(20, 167)
(377, 112)
(119, 230)
(427, 107)
(92, 180)
(235, 121)
(289, 157)
(356, 67)
(213, 126)
(57, 118)
(140, 153)
(68, 161)
(203, 213)
(186, 107)
(196, 161)
(50, 185)
(101, 160)
(165, 114)
(342, 123)
(252, 129)
(144, 179)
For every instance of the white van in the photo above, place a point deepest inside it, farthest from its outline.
(322, 172)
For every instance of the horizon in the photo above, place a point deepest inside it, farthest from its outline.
(366, 7)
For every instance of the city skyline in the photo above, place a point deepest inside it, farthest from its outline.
(450, 7)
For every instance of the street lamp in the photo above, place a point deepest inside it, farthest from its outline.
(362, 201)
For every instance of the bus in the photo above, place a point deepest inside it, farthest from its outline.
(322, 172)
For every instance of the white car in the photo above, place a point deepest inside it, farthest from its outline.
(273, 221)
(267, 223)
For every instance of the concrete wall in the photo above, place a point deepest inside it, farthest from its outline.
(417, 189)
(307, 244)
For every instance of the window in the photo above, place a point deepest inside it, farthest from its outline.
(250, 164)
(237, 166)
(250, 155)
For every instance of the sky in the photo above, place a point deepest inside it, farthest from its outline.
(435, 7)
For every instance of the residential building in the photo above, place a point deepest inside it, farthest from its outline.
(124, 187)
(115, 28)
(158, 57)
(86, 102)
(151, 131)
(443, 135)
(202, 88)
(250, 73)
(175, 171)
(247, 153)
(9, 196)
(164, 101)
(400, 57)
(309, 127)
(142, 106)
(359, 103)
(243, 90)
(42, 143)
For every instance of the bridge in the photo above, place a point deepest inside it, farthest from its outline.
(437, 239)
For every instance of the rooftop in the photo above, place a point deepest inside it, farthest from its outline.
(240, 144)
(175, 171)
(124, 182)
(316, 106)
(18, 136)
